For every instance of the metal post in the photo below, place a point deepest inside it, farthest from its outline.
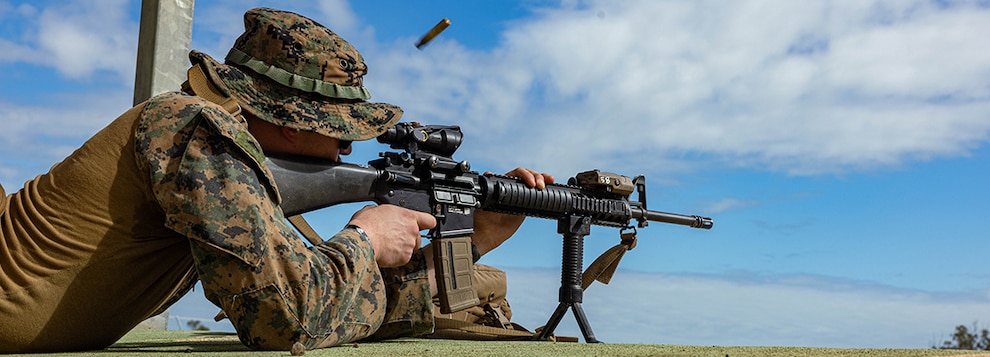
(162, 59)
(163, 47)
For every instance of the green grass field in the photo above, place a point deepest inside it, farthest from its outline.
(191, 343)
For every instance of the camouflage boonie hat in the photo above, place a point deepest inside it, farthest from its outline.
(291, 71)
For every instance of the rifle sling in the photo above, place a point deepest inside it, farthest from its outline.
(305, 229)
(199, 84)
(604, 266)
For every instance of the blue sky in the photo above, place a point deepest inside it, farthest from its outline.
(840, 146)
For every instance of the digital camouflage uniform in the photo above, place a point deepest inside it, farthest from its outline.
(281, 291)
(176, 186)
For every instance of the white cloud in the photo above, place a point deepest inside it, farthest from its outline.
(726, 204)
(801, 87)
(338, 16)
(82, 37)
(749, 310)
(14, 52)
(730, 310)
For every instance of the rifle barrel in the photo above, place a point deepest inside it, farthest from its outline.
(684, 220)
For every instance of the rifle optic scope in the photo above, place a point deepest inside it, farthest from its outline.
(436, 139)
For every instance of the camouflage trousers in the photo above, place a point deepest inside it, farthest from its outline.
(279, 302)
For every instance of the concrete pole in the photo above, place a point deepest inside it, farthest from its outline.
(162, 59)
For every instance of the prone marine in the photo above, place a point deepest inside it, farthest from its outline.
(176, 190)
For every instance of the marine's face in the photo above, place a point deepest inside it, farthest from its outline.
(319, 146)
(281, 140)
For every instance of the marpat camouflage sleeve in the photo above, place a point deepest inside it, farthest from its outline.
(209, 180)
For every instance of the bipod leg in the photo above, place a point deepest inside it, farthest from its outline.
(552, 323)
(582, 322)
(574, 229)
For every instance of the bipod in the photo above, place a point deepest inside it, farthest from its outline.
(574, 229)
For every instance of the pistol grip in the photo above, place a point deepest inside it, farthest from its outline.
(454, 266)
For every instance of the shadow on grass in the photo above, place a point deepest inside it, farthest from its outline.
(170, 342)
(205, 341)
